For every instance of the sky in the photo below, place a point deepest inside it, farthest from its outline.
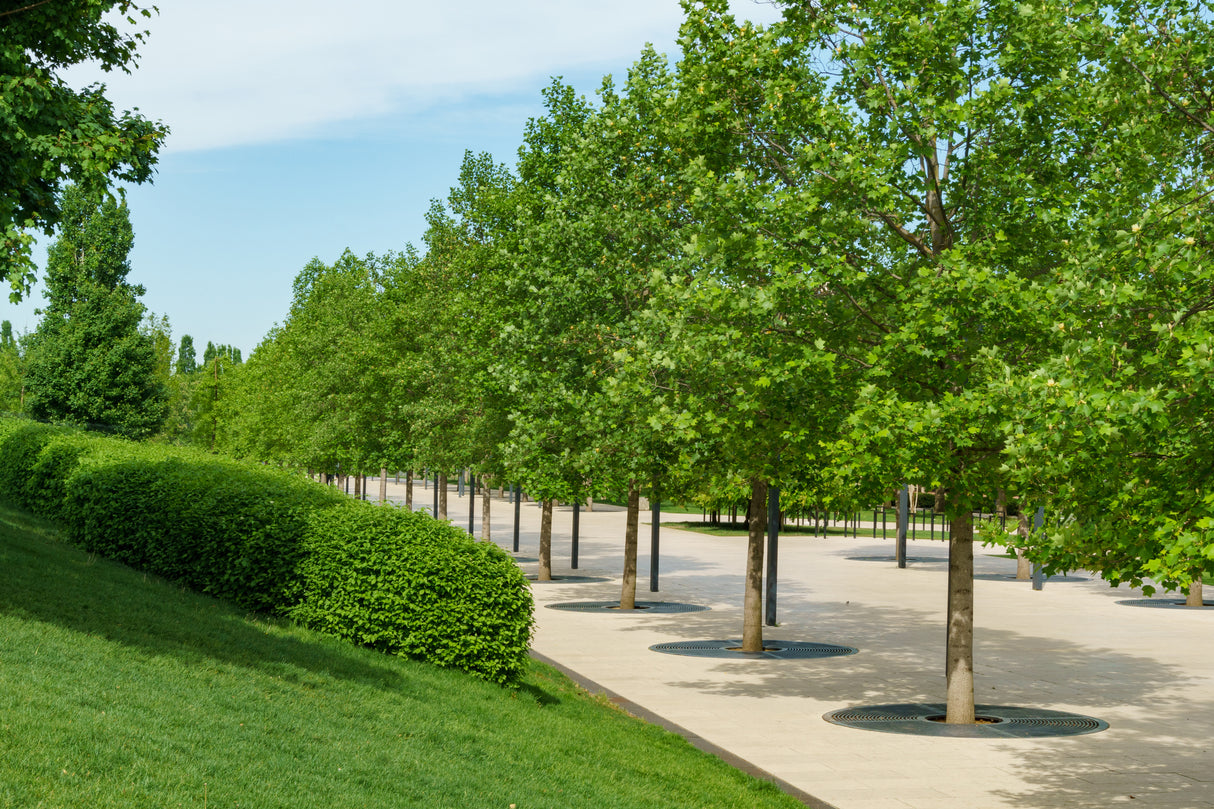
(300, 130)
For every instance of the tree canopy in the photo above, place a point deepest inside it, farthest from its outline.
(961, 246)
(52, 134)
(88, 361)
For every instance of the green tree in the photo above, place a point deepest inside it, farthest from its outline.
(227, 352)
(459, 420)
(918, 167)
(158, 330)
(88, 361)
(1116, 435)
(52, 134)
(12, 373)
(187, 361)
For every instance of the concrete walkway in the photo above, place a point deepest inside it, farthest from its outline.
(1149, 673)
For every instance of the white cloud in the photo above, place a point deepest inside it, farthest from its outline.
(231, 72)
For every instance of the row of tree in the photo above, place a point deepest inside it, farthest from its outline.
(960, 245)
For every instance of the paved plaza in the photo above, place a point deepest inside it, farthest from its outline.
(1148, 673)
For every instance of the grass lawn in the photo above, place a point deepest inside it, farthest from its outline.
(120, 690)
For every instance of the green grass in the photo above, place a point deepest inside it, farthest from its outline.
(120, 690)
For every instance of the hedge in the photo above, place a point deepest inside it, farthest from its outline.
(404, 583)
(276, 542)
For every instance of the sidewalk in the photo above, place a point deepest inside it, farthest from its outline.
(1071, 647)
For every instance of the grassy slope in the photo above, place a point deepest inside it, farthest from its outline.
(119, 690)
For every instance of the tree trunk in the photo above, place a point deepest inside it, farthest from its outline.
(545, 541)
(486, 499)
(938, 503)
(358, 487)
(1024, 568)
(1195, 597)
(752, 607)
(442, 496)
(628, 593)
(383, 485)
(409, 490)
(959, 668)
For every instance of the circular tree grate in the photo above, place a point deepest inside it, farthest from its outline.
(534, 579)
(909, 559)
(614, 606)
(1164, 603)
(772, 649)
(994, 721)
(1012, 577)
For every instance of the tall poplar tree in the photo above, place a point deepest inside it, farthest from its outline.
(88, 361)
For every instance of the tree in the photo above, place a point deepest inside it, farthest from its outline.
(186, 360)
(52, 134)
(921, 164)
(88, 361)
(1120, 450)
(459, 419)
(158, 330)
(12, 374)
(227, 352)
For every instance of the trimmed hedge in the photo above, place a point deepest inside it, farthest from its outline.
(403, 583)
(275, 542)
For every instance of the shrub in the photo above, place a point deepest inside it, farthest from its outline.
(404, 583)
(219, 527)
(276, 542)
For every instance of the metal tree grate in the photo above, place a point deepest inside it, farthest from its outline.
(1012, 577)
(614, 606)
(909, 559)
(1164, 603)
(994, 721)
(772, 650)
(534, 579)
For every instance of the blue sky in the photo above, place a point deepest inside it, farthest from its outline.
(301, 129)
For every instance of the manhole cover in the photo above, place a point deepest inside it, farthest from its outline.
(534, 579)
(994, 721)
(772, 649)
(614, 606)
(909, 559)
(1164, 603)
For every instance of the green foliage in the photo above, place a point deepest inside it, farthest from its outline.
(88, 362)
(401, 582)
(326, 387)
(52, 134)
(35, 463)
(221, 351)
(272, 541)
(12, 371)
(219, 527)
(158, 330)
(186, 360)
(1113, 432)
